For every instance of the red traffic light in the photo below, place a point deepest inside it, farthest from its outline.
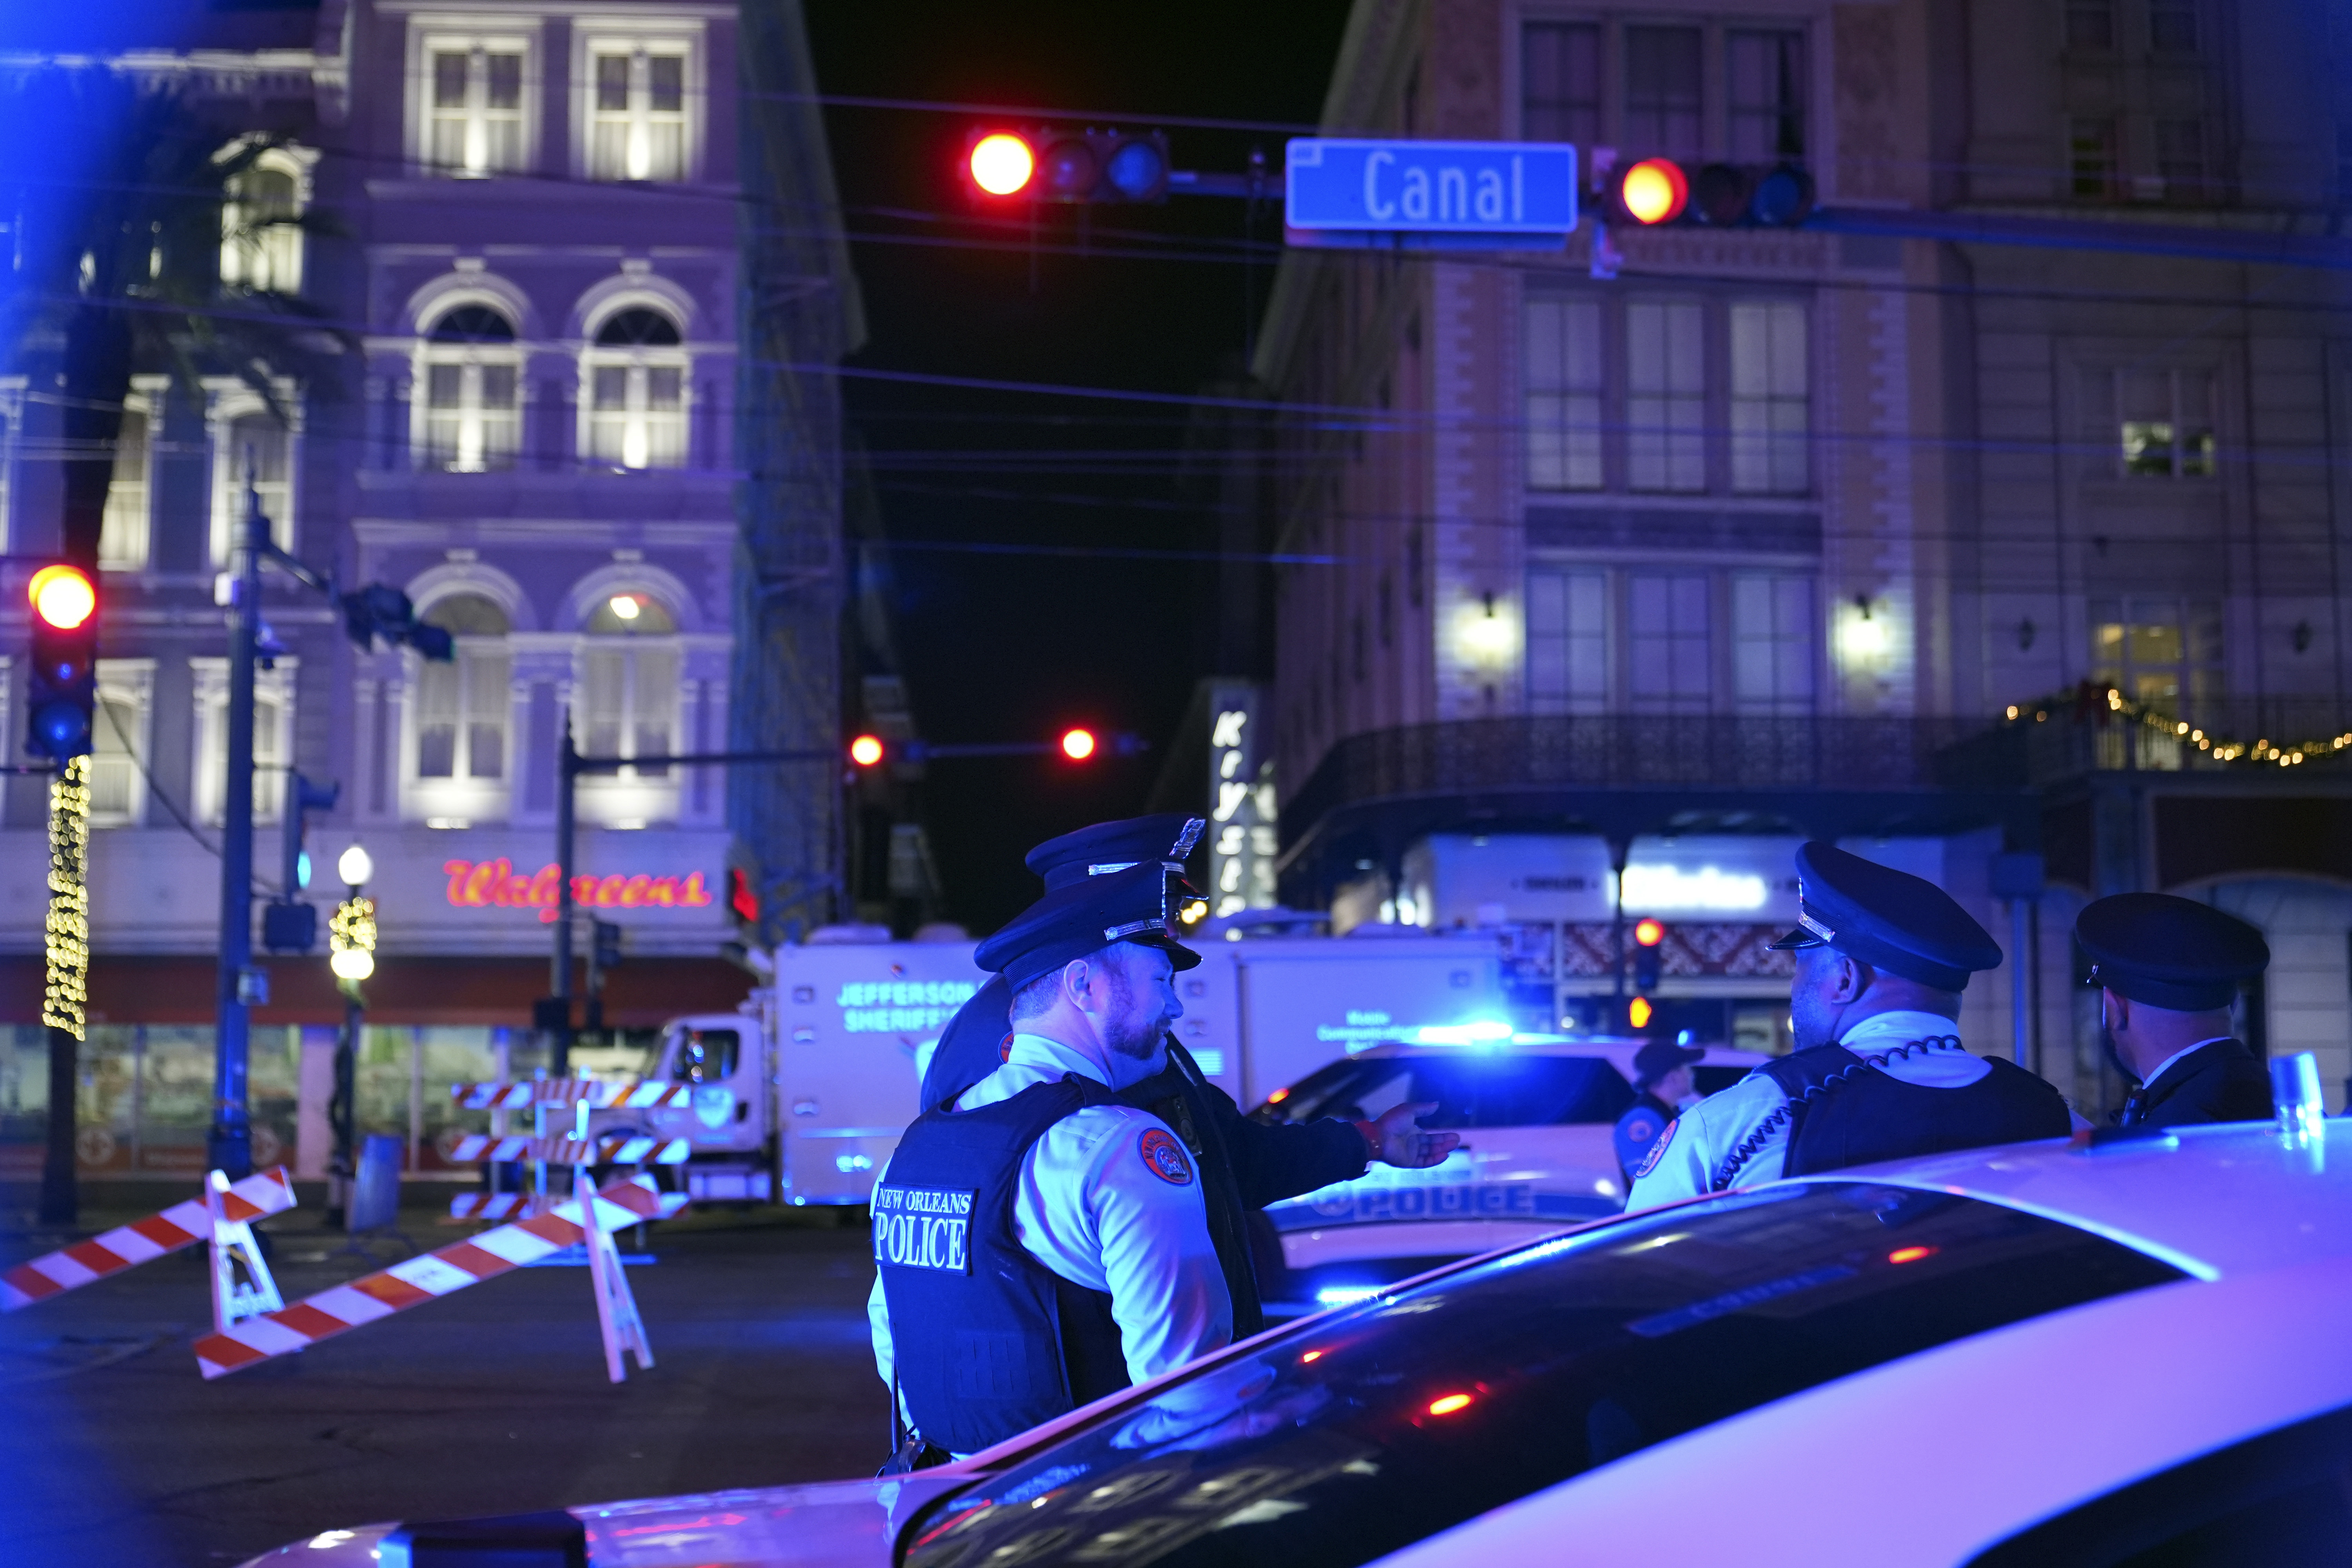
(1079, 744)
(866, 751)
(63, 596)
(1654, 191)
(1002, 163)
(1649, 933)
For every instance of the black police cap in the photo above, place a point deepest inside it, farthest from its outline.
(1084, 918)
(1105, 848)
(2169, 951)
(1887, 919)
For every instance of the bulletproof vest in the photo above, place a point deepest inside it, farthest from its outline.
(1176, 1097)
(988, 1342)
(1843, 1112)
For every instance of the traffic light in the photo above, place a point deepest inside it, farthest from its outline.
(1651, 192)
(1050, 165)
(1077, 744)
(382, 611)
(1649, 936)
(61, 698)
(866, 751)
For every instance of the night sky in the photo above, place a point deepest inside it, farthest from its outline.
(998, 646)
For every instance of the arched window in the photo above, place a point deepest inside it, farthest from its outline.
(628, 703)
(261, 245)
(469, 418)
(461, 706)
(635, 392)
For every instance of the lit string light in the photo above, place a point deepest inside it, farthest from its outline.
(66, 931)
(351, 939)
(2157, 722)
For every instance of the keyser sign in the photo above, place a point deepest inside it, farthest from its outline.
(1431, 187)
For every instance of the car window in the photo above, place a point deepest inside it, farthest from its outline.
(705, 1055)
(1368, 1429)
(1473, 1089)
(2283, 1498)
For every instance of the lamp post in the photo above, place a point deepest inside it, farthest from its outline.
(351, 942)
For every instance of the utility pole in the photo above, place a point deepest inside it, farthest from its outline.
(229, 1146)
(568, 764)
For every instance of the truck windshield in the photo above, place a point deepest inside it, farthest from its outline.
(1472, 1090)
(705, 1055)
(1361, 1432)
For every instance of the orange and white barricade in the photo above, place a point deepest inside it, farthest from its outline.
(617, 1150)
(566, 1093)
(441, 1272)
(490, 1206)
(142, 1241)
(242, 1285)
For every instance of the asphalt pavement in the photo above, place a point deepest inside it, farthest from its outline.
(492, 1400)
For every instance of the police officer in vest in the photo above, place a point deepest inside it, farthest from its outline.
(2166, 969)
(1243, 1164)
(1879, 1072)
(1039, 1244)
(1663, 1088)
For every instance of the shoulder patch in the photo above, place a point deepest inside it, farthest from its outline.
(1164, 1157)
(1657, 1150)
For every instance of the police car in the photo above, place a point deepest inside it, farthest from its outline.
(2126, 1352)
(1536, 1114)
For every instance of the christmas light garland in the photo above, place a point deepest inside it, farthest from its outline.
(66, 931)
(2086, 702)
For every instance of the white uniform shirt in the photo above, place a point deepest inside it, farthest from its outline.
(1694, 1145)
(1110, 1200)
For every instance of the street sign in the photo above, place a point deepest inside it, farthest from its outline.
(1466, 188)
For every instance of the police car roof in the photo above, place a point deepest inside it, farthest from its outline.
(2230, 1198)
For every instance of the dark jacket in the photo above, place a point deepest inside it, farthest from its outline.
(2221, 1081)
(1244, 1165)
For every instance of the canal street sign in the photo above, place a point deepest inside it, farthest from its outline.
(1475, 195)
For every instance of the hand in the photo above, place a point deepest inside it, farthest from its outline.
(1395, 1139)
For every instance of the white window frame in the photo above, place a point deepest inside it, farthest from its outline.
(230, 402)
(459, 798)
(1708, 637)
(273, 751)
(450, 34)
(1776, 666)
(487, 441)
(604, 36)
(126, 536)
(1564, 654)
(625, 797)
(638, 437)
(126, 682)
(274, 260)
(1766, 458)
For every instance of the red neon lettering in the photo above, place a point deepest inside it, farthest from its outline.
(632, 891)
(693, 895)
(458, 870)
(663, 891)
(608, 892)
(478, 886)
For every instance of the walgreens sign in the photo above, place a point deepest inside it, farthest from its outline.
(496, 884)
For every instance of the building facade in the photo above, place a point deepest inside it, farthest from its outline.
(530, 245)
(1841, 531)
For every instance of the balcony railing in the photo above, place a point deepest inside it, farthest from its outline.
(1633, 752)
(1715, 751)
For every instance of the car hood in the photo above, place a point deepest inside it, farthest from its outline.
(836, 1524)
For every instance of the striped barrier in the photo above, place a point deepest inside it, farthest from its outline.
(429, 1277)
(618, 1150)
(597, 1094)
(489, 1206)
(142, 1241)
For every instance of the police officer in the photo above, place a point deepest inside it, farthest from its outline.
(2166, 969)
(1879, 1072)
(1243, 1164)
(1663, 1088)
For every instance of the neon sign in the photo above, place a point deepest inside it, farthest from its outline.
(496, 884)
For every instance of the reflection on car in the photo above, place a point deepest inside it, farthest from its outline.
(1537, 1119)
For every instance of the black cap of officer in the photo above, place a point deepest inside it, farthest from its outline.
(1110, 847)
(1085, 917)
(2169, 951)
(1887, 919)
(1659, 1058)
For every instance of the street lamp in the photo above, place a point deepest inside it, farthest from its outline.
(351, 949)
